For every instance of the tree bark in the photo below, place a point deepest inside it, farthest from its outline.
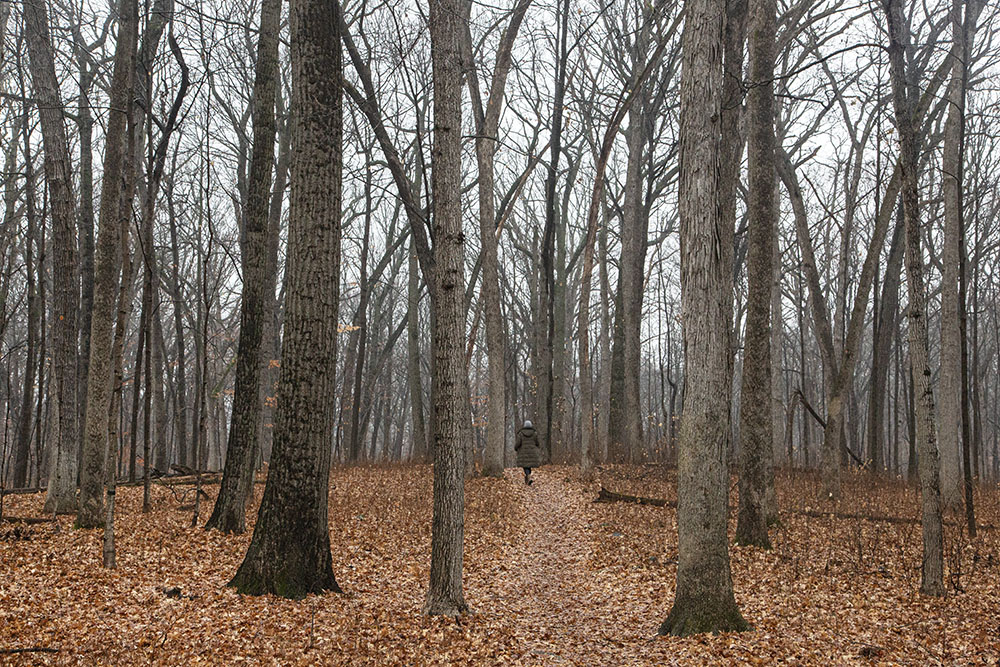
(289, 554)
(106, 274)
(36, 320)
(61, 495)
(704, 599)
(229, 513)
(923, 397)
(544, 316)
(488, 121)
(756, 451)
(451, 383)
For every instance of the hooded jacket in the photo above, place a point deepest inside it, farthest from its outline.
(529, 452)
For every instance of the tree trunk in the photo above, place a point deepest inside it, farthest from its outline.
(229, 513)
(415, 387)
(176, 295)
(22, 449)
(488, 122)
(756, 451)
(544, 316)
(106, 275)
(289, 554)
(451, 382)
(704, 599)
(61, 496)
(625, 419)
(923, 397)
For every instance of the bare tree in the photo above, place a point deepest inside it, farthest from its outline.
(289, 554)
(704, 600)
(451, 381)
(756, 453)
(932, 569)
(61, 495)
(229, 513)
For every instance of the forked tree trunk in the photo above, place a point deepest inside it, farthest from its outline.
(704, 599)
(488, 121)
(107, 274)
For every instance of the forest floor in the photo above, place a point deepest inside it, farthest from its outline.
(552, 579)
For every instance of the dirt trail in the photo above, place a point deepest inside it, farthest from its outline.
(556, 596)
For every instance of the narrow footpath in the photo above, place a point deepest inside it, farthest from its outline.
(556, 598)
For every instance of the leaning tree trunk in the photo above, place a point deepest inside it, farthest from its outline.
(229, 513)
(451, 382)
(923, 396)
(756, 452)
(106, 275)
(704, 599)
(289, 554)
(61, 496)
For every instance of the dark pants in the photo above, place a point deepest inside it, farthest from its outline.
(527, 473)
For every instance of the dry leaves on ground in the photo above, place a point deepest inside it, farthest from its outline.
(552, 579)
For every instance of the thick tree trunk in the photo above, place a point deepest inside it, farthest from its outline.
(756, 452)
(106, 275)
(289, 554)
(704, 599)
(932, 569)
(451, 383)
(61, 496)
(229, 513)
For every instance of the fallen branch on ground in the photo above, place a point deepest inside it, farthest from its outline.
(606, 496)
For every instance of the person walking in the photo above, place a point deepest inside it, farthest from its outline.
(529, 453)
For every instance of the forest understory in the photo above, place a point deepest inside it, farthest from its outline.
(552, 579)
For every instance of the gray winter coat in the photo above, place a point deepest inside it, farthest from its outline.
(529, 452)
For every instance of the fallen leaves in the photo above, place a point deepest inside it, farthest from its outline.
(551, 578)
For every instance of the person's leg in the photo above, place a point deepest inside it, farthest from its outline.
(527, 475)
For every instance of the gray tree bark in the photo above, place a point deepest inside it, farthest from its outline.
(61, 495)
(932, 567)
(106, 273)
(451, 382)
(950, 390)
(756, 451)
(704, 600)
(487, 122)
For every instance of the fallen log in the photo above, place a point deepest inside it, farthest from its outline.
(606, 496)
